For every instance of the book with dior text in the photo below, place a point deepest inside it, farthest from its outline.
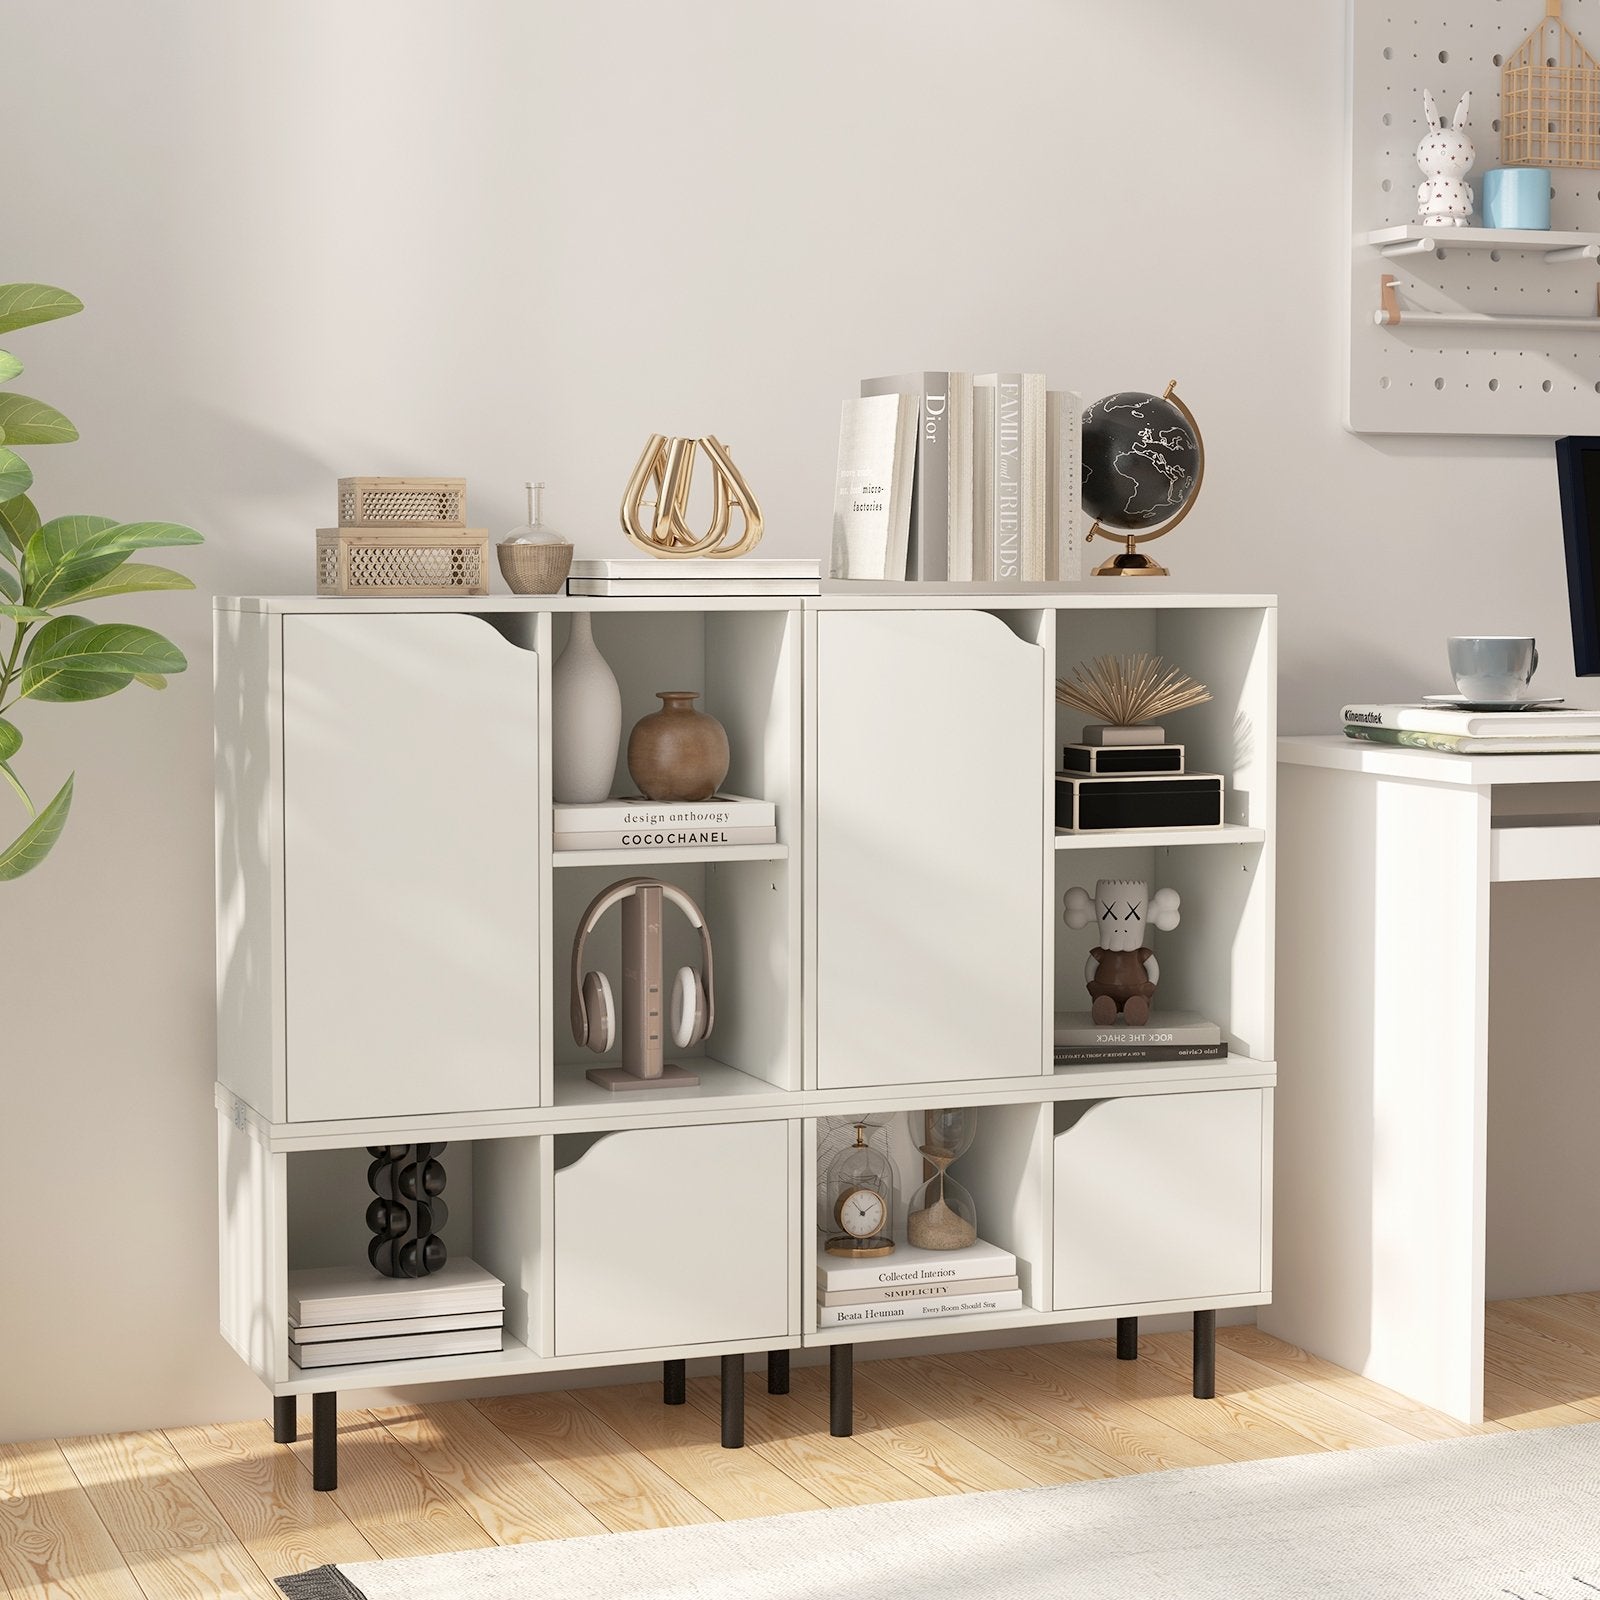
(928, 554)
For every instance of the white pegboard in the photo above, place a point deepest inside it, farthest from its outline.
(1477, 380)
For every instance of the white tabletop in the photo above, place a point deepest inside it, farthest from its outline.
(1431, 766)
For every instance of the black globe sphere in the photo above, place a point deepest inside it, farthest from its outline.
(1141, 461)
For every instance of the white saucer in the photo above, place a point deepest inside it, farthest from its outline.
(1459, 702)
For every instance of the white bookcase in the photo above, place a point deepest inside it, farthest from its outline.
(394, 937)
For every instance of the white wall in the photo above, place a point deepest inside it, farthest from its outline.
(506, 239)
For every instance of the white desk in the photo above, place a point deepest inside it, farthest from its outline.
(1386, 862)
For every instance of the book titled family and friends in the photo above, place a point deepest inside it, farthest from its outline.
(959, 476)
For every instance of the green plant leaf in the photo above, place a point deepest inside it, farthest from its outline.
(29, 421)
(67, 555)
(10, 740)
(16, 783)
(150, 680)
(133, 577)
(19, 519)
(16, 476)
(24, 304)
(24, 613)
(55, 544)
(69, 659)
(32, 845)
(10, 584)
(10, 367)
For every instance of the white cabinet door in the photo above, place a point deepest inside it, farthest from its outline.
(674, 1236)
(930, 848)
(1159, 1197)
(411, 874)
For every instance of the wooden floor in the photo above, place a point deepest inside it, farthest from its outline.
(221, 1510)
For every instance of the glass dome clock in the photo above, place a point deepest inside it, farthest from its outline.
(856, 1196)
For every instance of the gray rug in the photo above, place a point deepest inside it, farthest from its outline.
(1510, 1514)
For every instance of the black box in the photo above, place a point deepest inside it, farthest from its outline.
(1090, 805)
(1110, 760)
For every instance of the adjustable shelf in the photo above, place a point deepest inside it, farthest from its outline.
(1156, 838)
(1391, 314)
(1414, 239)
(683, 853)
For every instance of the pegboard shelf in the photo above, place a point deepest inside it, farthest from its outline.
(1391, 314)
(1495, 334)
(1415, 239)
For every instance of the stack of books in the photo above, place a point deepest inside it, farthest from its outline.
(347, 1316)
(961, 477)
(909, 1284)
(631, 823)
(1549, 730)
(1167, 1036)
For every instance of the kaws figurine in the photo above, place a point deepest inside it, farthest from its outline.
(1121, 973)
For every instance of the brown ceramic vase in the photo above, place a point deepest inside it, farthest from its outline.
(678, 753)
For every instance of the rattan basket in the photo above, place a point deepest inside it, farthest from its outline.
(535, 568)
(402, 502)
(440, 561)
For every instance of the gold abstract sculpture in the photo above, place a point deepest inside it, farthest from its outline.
(1125, 691)
(660, 485)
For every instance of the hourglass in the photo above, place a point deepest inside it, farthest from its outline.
(942, 1215)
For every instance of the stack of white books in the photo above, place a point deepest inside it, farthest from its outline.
(910, 1284)
(347, 1316)
(1548, 729)
(631, 823)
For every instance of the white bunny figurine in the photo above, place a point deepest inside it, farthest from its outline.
(1444, 198)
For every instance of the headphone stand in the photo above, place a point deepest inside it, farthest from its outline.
(643, 1018)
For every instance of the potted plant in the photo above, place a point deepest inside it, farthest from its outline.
(49, 651)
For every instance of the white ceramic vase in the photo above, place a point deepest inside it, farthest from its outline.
(588, 719)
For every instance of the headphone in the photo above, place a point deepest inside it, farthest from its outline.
(693, 1004)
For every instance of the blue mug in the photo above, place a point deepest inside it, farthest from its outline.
(1516, 197)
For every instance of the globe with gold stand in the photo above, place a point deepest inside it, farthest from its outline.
(1143, 464)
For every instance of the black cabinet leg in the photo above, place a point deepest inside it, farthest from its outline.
(1205, 1355)
(732, 1402)
(1127, 1338)
(285, 1418)
(777, 1372)
(674, 1385)
(325, 1441)
(841, 1400)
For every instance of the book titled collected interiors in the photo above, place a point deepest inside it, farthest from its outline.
(632, 823)
(906, 1264)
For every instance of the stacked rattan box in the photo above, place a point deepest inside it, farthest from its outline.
(402, 536)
